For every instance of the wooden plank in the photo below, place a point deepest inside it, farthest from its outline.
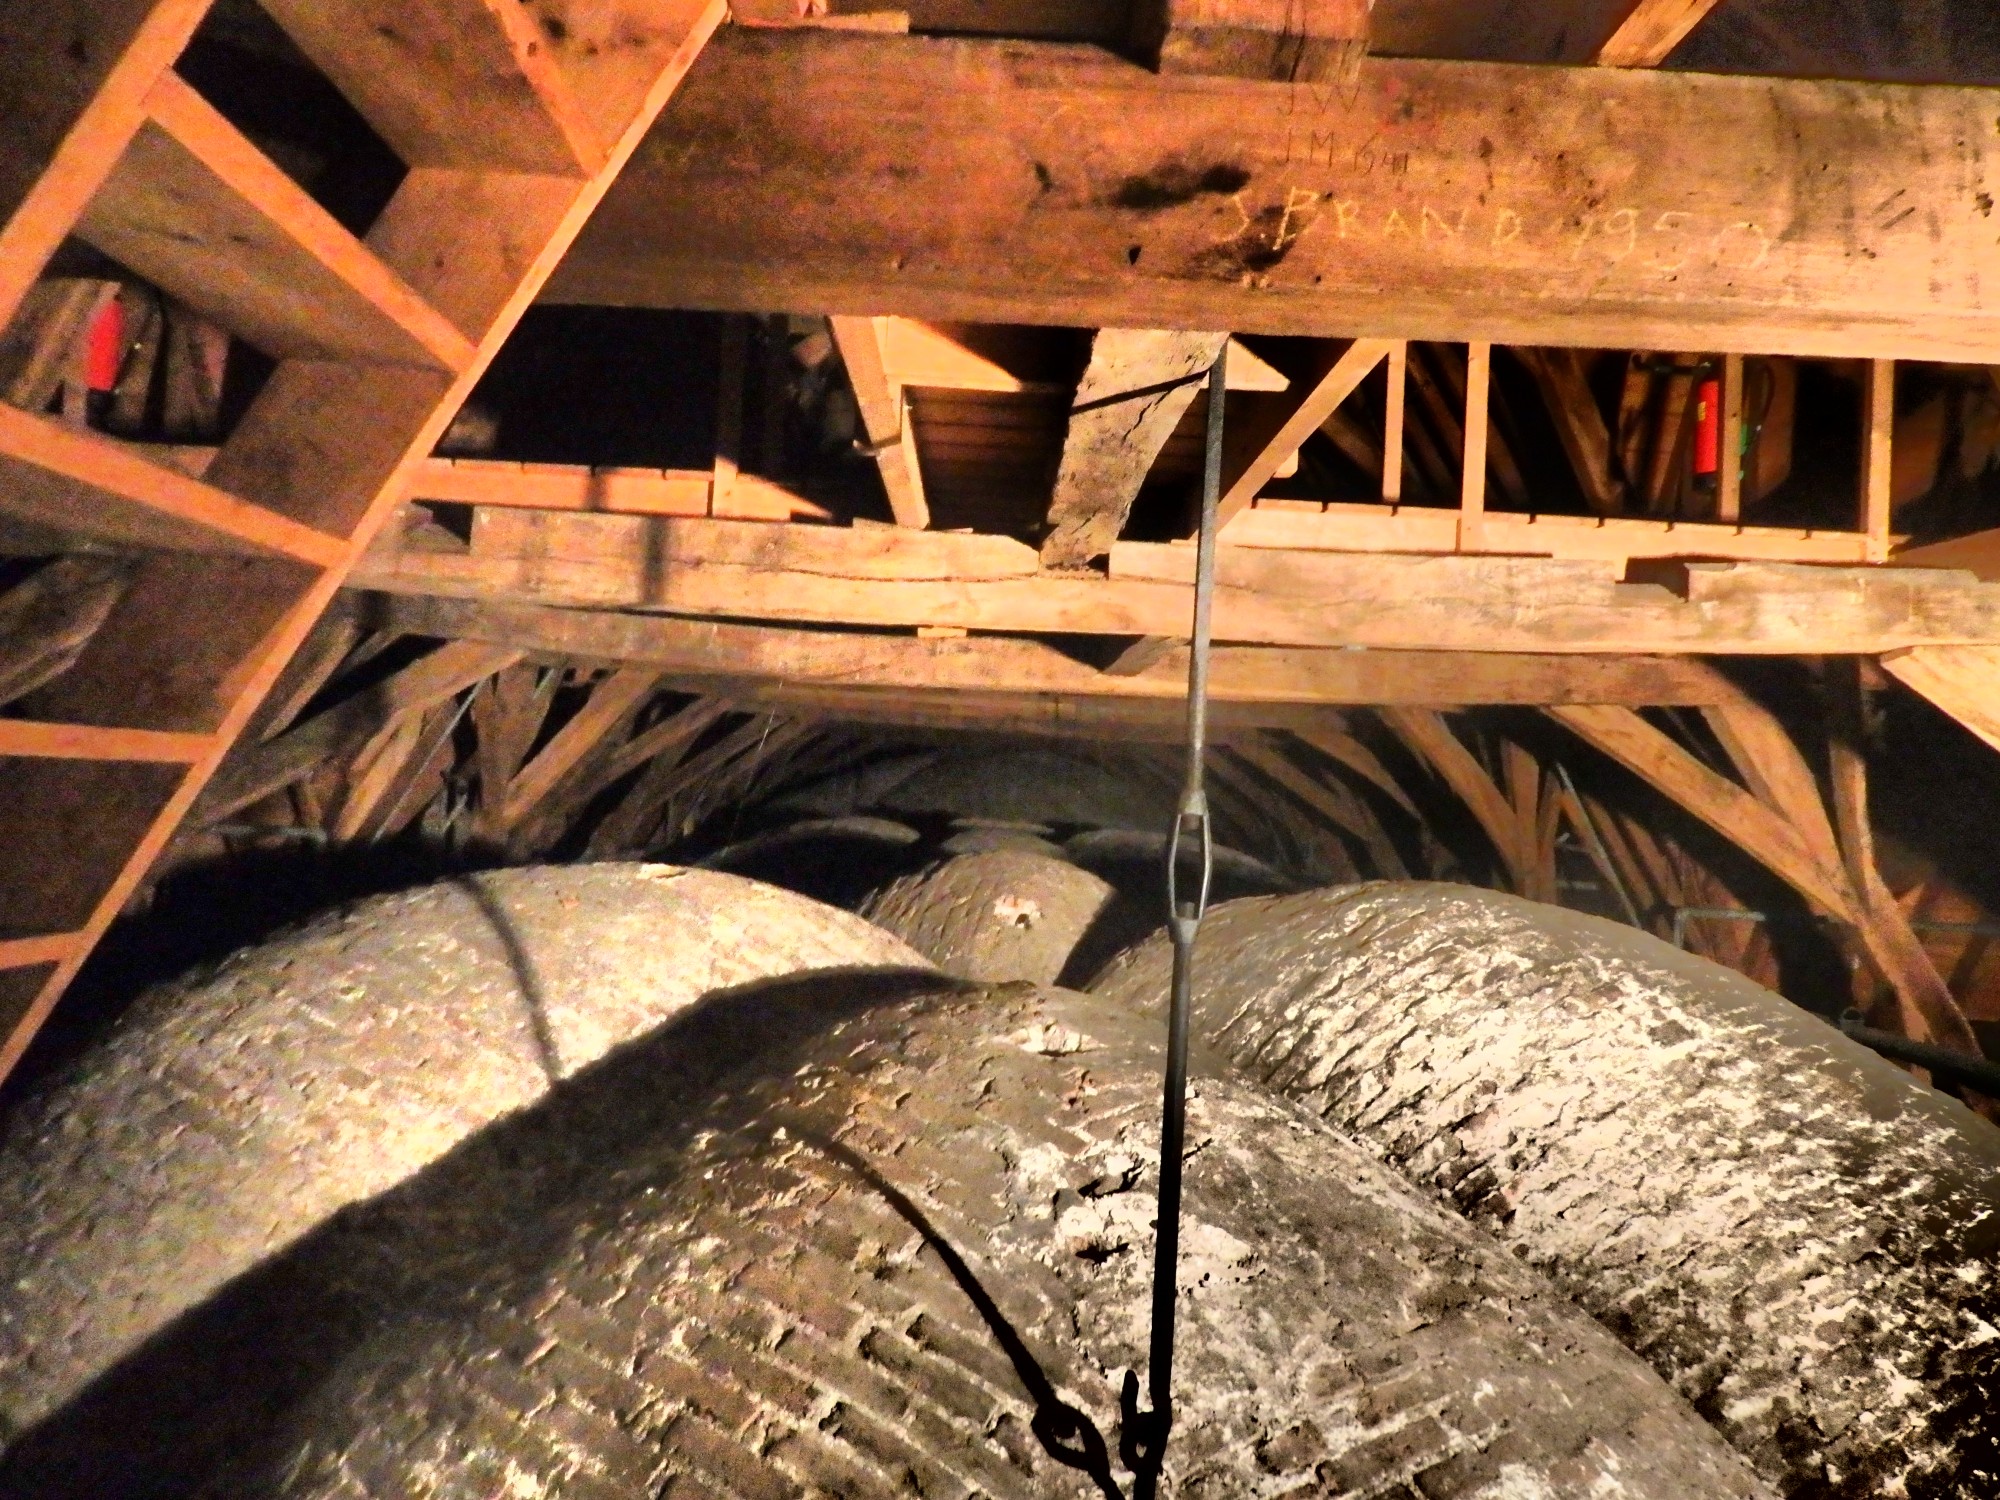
(197, 209)
(1203, 203)
(1144, 652)
(25, 737)
(1239, 674)
(450, 83)
(1302, 41)
(507, 716)
(1977, 553)
(890, 576)
(1341, 376)
(1392, 421)
(1478, 429)
(377, 768)
(959, 356)
(422, 778)
(72, 94)
(1010, 360)
(1534, 856)
(1877, 457)
(1104, 22)
(52, 474)
(1731, 811)
(1770, 763)
(613, 491)
(1502, 469)
(335, 637)
(885, 417)
(611, 700)
(1669, 461)
(25, 953)
(1612, 539)
(1651, 31)
(1137, 387)
(48, 618)
(624, 60)
(1964, 681)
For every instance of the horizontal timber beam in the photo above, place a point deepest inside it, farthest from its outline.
(995, 665)
(884, 576)
(1608, 207)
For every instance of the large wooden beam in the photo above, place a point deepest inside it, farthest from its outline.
(1135, 390)
(732, 652)
(1602, 207)
(1264, 596)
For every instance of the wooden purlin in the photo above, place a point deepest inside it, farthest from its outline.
(195, 642)
(1432, 200)
(730, 652)
(885, 576)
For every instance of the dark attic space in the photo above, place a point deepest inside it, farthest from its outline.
(1024, 749)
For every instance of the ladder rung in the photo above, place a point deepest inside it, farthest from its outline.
(31, 738)
(195, 207)
(464, 84)
(27, 952)
(70, 120)
(58, 476)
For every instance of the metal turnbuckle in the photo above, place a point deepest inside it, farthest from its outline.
(1144, 1433)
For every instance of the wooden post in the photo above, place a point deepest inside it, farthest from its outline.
(730, 381)
(1729, 476)
(1472, 493)
(884, 408)
(1876, 441)
(1392, 427)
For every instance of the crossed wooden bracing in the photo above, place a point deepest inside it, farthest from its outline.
(1472, 313)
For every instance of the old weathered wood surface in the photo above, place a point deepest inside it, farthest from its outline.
(1137, 386)
(1603, 207)
(1266, 596)
(691, 649)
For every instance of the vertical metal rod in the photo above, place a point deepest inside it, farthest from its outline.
(1146, 1434)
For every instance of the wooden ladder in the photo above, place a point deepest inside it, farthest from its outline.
(512, 118)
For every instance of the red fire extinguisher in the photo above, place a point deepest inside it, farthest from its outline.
(1707, 431)
(104, 357)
